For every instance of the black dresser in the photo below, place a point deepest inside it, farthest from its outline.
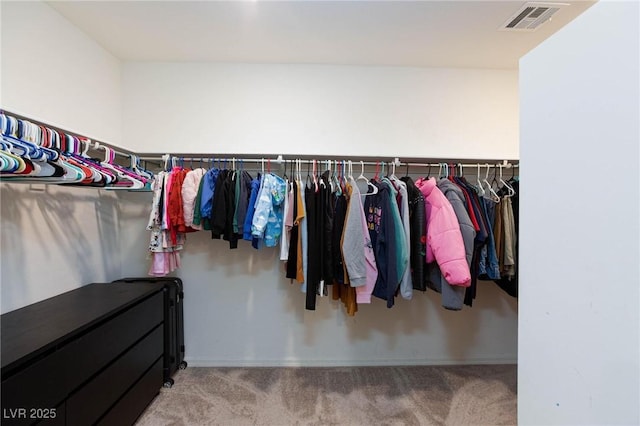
(89, 356)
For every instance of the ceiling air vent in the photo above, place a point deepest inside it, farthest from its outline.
(531, 16)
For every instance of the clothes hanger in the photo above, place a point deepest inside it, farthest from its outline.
(71, 156)
(493, 196)
(309, 181)
(335, 179)
(510, 191)
(393, 171)
(315, 175)
(132, 180)
(479, 187)
(443, 171)
(369, 184)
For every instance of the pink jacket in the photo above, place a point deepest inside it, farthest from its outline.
(444, 239)
(189, 193)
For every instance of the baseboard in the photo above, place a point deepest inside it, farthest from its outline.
(193, 362)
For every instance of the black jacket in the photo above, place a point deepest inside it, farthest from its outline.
(417, 221)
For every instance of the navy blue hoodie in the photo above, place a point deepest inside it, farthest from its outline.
(377, 209)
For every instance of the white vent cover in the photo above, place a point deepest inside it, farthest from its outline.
(531, 16)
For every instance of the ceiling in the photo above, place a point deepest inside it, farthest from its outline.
(384, 33)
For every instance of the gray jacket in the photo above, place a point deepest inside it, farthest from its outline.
(453, 296)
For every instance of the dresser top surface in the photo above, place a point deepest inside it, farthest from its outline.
(29, 331)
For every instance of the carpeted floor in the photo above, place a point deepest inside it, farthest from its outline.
(458, 395)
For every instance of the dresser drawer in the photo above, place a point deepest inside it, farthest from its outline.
(128, 409)
(92, 400)
(42, 385)
(97, 348)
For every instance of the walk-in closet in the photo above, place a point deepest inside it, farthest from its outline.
(319, 212)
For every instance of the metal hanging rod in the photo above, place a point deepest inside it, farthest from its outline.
(307, 159)
(116, 149)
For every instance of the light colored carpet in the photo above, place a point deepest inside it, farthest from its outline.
(411, 395)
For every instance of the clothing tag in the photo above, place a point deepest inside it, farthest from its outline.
(321, 288)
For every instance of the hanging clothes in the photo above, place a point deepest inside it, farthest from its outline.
(303, 248)
(287, 214)
(445, 244)
(164, 249)
(292, 222)
(339, 219)
(190, 191)
(267, 218)
(358, 249)
(251, 207)
(474, 209)
(452, 295)
(327, 205)
(319, 226)
(509, 282)
(243, 194)
(406, 285)
(382, 230)
(488, 268)
(418, 237)
(207, 194)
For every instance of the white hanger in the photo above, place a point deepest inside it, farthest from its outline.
(443, 172)
(481, 190)
(362, 177)
(137, 184)
(493, 196)
(510, 191)
(314, 175)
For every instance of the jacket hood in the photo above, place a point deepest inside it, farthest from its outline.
(426, 186)
(446, 185)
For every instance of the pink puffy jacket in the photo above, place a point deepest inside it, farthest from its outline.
(444, 239)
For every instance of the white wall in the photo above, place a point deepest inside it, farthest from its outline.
(579, 324)
(59, 239)
(315, 109)
(55, 239)
(53, 72)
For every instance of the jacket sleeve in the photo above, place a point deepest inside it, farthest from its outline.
(363, 293)
(189, 191)
(394, 274)
(219, 206)
(466, 228)
(206, 200)
(263, 209)
(447, 245)
(406, 285)
(197, 216)
(353, 240)
(248, 220)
